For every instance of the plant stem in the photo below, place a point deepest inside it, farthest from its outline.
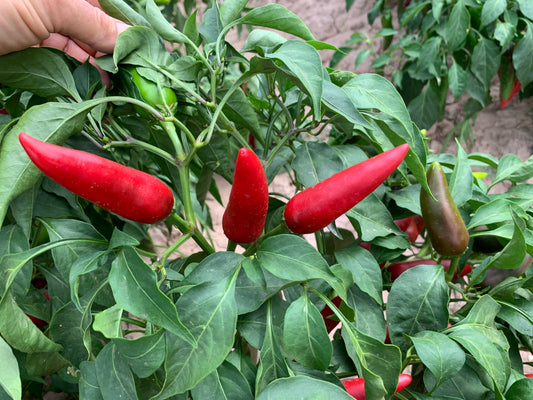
(187, 227)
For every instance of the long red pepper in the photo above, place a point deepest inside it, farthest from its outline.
(319, 205)
(125, 191)
(356, 386)
(245, 215)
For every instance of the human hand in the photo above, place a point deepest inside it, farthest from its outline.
(78, 27)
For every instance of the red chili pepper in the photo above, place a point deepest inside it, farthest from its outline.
(356, 386)
(125, 191)
(528, 375)
(4, 111)
(396, 269)
(319, 205)
(411, 225)
(327, 311)
(517, 86)
(245, 215)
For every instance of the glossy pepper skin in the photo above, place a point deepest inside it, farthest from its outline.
(150, 92)
(396, 269)
(356, 386)
(316, 207)
(125, 191)
(445, 227)
(245, 215)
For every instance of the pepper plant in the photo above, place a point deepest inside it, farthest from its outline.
(91, 305)
(440, 51)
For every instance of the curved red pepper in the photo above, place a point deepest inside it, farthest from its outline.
(411, 225)
(356, 386)
(245, 215)
(396, 269)
(319, 205)
(327, 312)
(125, 191)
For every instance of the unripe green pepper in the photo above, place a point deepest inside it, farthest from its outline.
(150, 93)
(445, 227)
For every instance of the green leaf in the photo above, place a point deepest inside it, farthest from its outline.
(443, 357)
(418, 301)
(39, 70)
(504, 34)
(272, 364)
(526, 8)
(293, 258)
(490, 356)
(262, 41)
(277, 17)
(518, 314)
(135, 289)
(109, 322)
(498, 210)
(305, 337)
(303, 63)
(514, 252)
(88, 384)
(114, 376)
(520, 389)
(119, 9)
(491, 10)
(66, 256)
(378, 363)
(9, 374)
(368, 313)
(523, 56)
(144, 354)
(49, 122)
(314, 162)
(461, 181)
(364, 268)
(408, 198)
(457, 78)
(69, 327)
(426, 108)
(210, 312)
(227, 382)
(162, 26)
(485, 61)
(336, 99)
(230, 10)
(511, 167)
(457, 26)
(372, 219)
(301, 388)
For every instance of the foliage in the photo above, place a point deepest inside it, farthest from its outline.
(131, 318)
(440, 51)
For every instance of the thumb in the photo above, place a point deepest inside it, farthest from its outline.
(81, 21)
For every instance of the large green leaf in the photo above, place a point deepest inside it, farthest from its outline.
(38, 70)
(293, 258)
(443, 357)
(9, 375)
(457, 26)
(227, 383)
(135, 289)
(305, 338)
(115, 379)
(302, 388)
(277, 17)
(523, 55)
(303, 64)
(418, 301)
(314, 162)
(210, 313)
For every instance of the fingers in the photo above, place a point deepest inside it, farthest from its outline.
(82, 21)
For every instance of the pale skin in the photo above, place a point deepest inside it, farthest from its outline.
(78, 27)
